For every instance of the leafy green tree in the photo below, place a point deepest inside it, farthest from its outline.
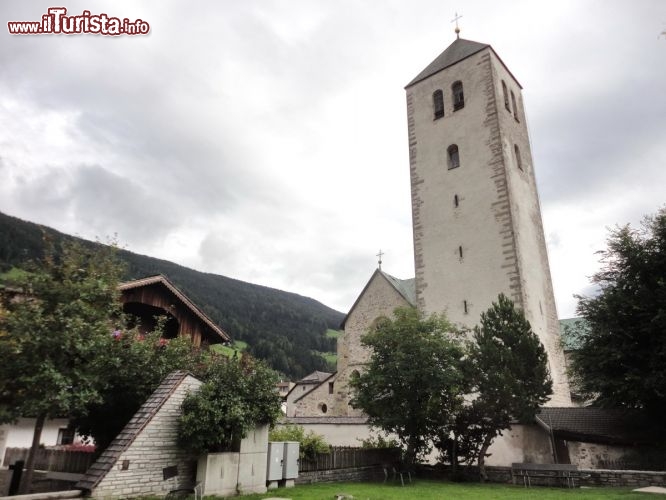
(510, 375)
(132, 367)
(52, 334)
(238, 394)
(622, 351)
(459, 441)
(310, 442)
(412, 384)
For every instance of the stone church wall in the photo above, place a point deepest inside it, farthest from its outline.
(317, 402)
(379, 299)
(477, 228)
(536, 289)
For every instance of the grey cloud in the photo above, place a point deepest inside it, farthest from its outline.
(99, 201)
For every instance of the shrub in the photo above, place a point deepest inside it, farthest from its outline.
(379, 441)
(237, 396)
(310, 443)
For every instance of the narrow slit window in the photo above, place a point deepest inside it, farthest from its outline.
(519, 161)
(460, 251)
(330, 387)
(506, 97)
(458, 96)
(454, 156)
(438, 103)
(465, 308)
(456, 201)
(515, 108)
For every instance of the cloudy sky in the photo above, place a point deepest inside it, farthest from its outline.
(266, 140)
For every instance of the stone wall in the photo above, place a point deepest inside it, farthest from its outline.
(592, 477)
(603, 477)
(152, 450)
(372, 473)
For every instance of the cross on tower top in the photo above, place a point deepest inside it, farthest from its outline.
(455, 20)
(380, 259)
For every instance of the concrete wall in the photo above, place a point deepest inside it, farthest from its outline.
(589, 455)
(153, 450)
(4, 431)
(522, 443)
(244, 472)
(340, 434)
(497, 222)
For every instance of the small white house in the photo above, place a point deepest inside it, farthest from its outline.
(19, 435)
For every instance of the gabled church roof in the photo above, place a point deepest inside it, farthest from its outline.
(406, 289)
(314, 378)
(460, 49)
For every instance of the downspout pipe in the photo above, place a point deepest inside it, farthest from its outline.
(549, 430)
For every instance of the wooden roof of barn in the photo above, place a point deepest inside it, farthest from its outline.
(163, 281)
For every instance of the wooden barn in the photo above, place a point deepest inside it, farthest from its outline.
(149, 298)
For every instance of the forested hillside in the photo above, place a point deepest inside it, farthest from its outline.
(281, 327)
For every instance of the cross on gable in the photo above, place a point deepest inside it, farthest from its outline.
(380, 254)
(455, 20)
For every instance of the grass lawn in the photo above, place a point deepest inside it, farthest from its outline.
(431, 490)
(333, 334)
(238, 345)
(330, 357)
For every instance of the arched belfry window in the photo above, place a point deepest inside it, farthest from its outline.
(519, 161)
(438, 103)
(515, 108)
(458, 95)
(506, 97)
(454, 156)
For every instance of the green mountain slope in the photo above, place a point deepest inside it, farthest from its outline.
(285, 329)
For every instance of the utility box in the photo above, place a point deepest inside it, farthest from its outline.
(290, 467)
(275, 463)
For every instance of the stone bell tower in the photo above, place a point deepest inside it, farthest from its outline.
(475, 207)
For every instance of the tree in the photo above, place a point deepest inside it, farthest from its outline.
(238, 394)
(132, 367)
(412, 384)
(510, 375)
(623, 349)
(52, 333)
